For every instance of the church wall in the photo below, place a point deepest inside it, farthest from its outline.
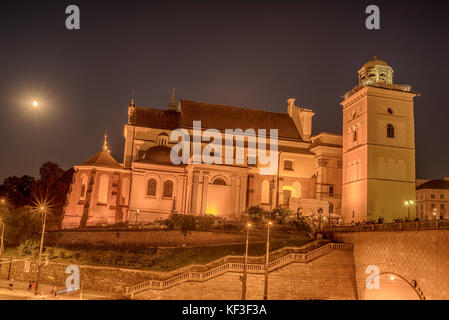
(153, 207)
(112, 211)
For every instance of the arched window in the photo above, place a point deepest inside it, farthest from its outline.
(219, 181)
(265, 196)
(103, 190)
(151, 187)
(390, 131)
(168, 189)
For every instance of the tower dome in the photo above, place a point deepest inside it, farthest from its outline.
(374, 71)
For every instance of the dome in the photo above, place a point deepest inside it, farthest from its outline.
(375, 62)
(160, 154)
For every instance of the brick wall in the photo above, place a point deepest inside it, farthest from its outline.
(422, 256)
(328, 277)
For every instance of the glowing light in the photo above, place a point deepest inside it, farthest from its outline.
(411, 202)
(211, 210)
(406, 203)
(270, 222)
(35, 103)
(249, 225)
(392, 277)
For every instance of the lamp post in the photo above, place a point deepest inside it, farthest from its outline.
(137, 215)
(320, 211)
(265, 290)
(245, 266)
(43, 210)
(2, 246)
(408, 203)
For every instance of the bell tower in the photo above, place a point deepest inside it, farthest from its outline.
(378, 146)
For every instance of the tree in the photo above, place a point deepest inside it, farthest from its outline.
(18, 190)
(52, 186)
(20, 224)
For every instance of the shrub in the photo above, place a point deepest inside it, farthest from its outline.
(205, 223)
(51, 252)
(256, 214)
(28, 247)
(62, 254)
(282, 215)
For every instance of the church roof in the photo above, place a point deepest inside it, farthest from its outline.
(434, 184)
(102, 159)
(156, 118)
(218, 117)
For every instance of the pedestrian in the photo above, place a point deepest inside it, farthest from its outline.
(30, 286)
(11, 284)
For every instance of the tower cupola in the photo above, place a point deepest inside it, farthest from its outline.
(375, 71)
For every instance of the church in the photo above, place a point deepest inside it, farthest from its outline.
(366, 172)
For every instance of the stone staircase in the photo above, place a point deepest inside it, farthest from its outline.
(280, 258)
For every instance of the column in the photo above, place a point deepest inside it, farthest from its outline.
(183, 181)
(204, 195)
(194, 201)
(242, 200)
(234, 195)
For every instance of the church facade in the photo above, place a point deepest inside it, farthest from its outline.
(351, 177)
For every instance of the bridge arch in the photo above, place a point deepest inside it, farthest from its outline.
(393, 286)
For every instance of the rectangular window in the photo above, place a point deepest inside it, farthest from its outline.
(288, 165)
(442, 206)
(432, 196)
(331, 191)
(432, 205)
(441, 196)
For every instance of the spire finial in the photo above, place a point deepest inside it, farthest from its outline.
(172, 105)
(375, 56)
(131, 104)
(105, 142)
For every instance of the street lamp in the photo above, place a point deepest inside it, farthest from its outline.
(265, 290)
(320, 211)
(2, 246)
(137, 215)
(408, 203)
(245, 267)
(42, 210)
(35, 103)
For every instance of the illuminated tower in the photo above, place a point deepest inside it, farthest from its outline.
(378, 146)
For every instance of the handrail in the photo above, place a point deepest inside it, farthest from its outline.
(436, 224)
(238, 267)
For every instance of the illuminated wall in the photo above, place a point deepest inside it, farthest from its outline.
(378, 163)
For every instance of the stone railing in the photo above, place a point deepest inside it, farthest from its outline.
(393, 226)
(308, 253)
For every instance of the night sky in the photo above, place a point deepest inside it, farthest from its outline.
(245, 53)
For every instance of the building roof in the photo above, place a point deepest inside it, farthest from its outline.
(218, 117)
(227, 117)
(434, 184)
(375, 62)
(102, 159)
(156, 118)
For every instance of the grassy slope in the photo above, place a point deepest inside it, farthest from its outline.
(156, 259)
